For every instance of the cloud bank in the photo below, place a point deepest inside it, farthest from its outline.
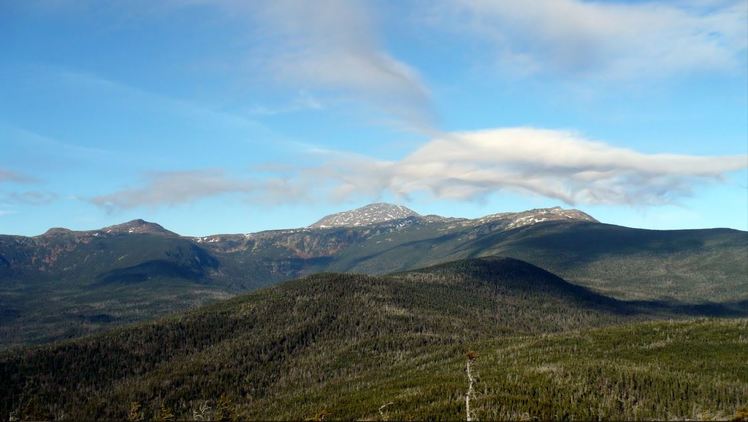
(607, 39)
(554, 164)
(464, 166)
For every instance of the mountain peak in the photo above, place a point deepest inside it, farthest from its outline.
(539, 215)
(137, 226)
(57, 231)
(379, 212)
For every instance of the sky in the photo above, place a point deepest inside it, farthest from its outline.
(226, 116)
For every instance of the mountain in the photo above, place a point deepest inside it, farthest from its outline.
(65, 284)
(366, 216)
(135, 226)
(513, 220)
(378, 213)
(345, 346)
(685, 265)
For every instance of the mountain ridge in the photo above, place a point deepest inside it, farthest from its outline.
(137, 226)
(150, 271)
(368, 215)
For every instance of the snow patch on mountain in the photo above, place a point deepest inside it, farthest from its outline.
(365, 216)
(528, 218)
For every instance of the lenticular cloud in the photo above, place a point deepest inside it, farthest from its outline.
(462, 166)
(556, 164)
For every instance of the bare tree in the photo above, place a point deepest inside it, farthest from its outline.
(381, 410)
(471, 356)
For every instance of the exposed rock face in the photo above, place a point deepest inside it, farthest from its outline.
(365, 216)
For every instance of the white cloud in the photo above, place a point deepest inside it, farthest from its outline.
(609, 39)
(554, 164)
(463, 167)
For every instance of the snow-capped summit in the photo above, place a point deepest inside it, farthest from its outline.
(539, 215)
(367, 215)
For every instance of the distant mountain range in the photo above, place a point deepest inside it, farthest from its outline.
(379, 213)
(66, 283)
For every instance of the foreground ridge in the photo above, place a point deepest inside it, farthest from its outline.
(347, 346)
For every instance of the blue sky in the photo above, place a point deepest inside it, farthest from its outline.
(228, 116)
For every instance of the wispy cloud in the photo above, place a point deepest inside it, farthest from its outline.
(608, 39)
(160, 102)
(329, 48)
(332, 47)
(463, 167)
(173, 188)
(303, 102)
(22, 197)
(30, 197)
(14, 176)
(52, 146)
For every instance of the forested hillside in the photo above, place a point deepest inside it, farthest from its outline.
(684, 265)
(345, 345)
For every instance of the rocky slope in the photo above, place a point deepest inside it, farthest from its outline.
(365, 216)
